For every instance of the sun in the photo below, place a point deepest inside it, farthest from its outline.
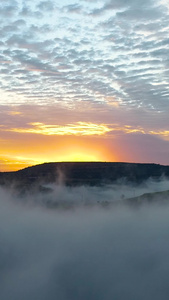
(79, 157)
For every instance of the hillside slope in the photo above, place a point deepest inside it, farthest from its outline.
(92, 173)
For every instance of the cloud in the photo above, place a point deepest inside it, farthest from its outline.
(77, 129)
(46, 6)
(85, 253)
(107, 60)
(163, 134)
(93, 53)
(73, 8)
(42, 120)
(81, 128)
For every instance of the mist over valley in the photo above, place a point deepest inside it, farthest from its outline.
(71, 242)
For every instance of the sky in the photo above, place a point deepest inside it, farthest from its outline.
(83, 81)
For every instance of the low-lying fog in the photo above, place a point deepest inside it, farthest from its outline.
(85, 253)
(60, 195)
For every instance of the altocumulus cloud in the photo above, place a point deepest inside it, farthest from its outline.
(52, 52)
(99, 62)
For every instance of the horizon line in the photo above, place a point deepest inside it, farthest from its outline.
(83, 162)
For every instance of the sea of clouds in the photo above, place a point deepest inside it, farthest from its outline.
(88, 252)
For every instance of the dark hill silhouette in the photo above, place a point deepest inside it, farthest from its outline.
(84, 173)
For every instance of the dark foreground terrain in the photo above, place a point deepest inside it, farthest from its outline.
(91, 173)
(43, 179)
(80, 231)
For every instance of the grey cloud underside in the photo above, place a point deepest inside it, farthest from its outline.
(52, 52)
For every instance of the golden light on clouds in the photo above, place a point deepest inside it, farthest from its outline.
(79, 128)
(112, 101)
(162, 133)
(14, 113)
(130, 129)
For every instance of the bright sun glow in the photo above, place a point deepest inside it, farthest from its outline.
(78, 157)
(14, 163)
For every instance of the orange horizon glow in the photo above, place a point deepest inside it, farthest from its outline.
(41, 143)
(73, 142)
(12, 163)
(52, 149)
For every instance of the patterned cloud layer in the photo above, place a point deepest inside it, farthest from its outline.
(98, 63)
